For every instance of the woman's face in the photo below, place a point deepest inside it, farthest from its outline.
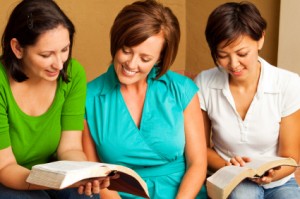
(133, 64)
(46, 57)
(240, 58)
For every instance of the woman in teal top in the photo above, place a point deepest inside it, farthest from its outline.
(42, 97)
(140, 114)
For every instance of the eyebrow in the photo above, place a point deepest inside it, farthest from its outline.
(44, 51)
(220, 51)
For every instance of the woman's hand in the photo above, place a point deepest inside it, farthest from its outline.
(90, 187)
(109, 194)
(267, 177)
(238, 161)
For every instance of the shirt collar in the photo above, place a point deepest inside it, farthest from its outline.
(111, 80)
(221, 81)
(266, 80)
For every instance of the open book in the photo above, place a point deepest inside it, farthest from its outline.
(221, 183)
(61, 174)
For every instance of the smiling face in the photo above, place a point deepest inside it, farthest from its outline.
(46, 57)
(133, 64)
(240, 58)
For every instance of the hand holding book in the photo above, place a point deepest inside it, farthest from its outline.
(222, 182)
(62, 174)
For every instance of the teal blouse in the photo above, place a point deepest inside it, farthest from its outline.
(156, 149)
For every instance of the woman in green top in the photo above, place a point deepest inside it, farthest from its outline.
(42, 97)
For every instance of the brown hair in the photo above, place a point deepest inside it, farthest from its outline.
(28, 20)
(142, 19)
(231, 20)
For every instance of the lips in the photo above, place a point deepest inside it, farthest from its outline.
(52, 73)
(237, 70)
(128, 72)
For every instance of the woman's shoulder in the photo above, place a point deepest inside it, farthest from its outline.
(176, 78)
(75, 67)
(97, 85)
(3, 76)
(213, 76)
(279, 75)
(209, 73)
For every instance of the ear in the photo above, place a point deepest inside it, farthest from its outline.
(16, 48)
(261, 41)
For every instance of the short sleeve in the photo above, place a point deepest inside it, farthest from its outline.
(201, 85)
(4, 126)
(291, 95)
(190, 91)
(73, 108)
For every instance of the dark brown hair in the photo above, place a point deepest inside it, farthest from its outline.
(28, 20)
(231, 20)
(142, 19)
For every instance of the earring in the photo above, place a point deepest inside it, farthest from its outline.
(19, 56)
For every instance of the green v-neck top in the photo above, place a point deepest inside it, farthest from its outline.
(34, 139)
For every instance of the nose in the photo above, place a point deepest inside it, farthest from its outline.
(132, 62)
(234, 62)
(58, 62)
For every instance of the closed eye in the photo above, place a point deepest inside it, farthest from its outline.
(65, 49)
(45, 55)
(126, 50)
(243, 55)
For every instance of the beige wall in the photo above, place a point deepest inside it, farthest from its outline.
(289, 41)
(198, 54)
(93, 19)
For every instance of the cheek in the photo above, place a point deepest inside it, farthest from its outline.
(223, 63)
(147, 67)
(65, 57)
(120, 55)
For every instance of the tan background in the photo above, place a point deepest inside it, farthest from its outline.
(93, 19)
(289, 40)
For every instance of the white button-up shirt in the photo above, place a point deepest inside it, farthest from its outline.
(277, 96)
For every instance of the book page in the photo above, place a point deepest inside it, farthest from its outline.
(61, 174)
(68, 166)
(224, 176)
(263, 164)
(222, 182)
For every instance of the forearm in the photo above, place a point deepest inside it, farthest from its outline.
(195, 175)
(14, 176)
(70, 146)
(75, 155)
(214, 160)
(283, 172)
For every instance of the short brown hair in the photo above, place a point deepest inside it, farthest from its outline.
(231, 20)
(142, 19)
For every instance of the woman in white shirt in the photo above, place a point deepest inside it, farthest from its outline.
(251, 108)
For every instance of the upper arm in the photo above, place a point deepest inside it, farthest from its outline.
(88, 144)
(194, 132)
(207, 128)
(289, 136)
